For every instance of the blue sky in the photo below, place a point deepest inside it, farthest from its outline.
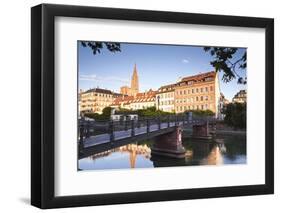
(157, 65)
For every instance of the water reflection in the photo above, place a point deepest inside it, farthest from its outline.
(226, 150)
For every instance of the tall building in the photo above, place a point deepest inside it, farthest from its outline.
(95, 100)
(135, 82)
(198, 92)
(165, 98)
(240, 97)
(134, 89)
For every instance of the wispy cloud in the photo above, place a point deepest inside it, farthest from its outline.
(185, 61)
(93, 77)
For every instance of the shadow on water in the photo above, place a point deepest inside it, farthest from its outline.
(228, 149)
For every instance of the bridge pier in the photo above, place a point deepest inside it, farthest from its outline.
(201, 131)
(169, 145)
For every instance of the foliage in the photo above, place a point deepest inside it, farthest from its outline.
(224, 61)
(148, 112)
(235, 115)
(98, 46)
(106, 111)
(100, 117)
(202, 112)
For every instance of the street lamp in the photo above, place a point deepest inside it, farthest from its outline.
(158, 100)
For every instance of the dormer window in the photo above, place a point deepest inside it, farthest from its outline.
(189, 82)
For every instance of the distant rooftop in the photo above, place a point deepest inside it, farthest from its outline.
(199, 77)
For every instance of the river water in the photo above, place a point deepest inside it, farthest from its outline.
(230, 150)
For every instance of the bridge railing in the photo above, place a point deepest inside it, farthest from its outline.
(86, 129)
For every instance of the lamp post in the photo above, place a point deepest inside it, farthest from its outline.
(158, 101)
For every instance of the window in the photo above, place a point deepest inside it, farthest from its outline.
(189, 82)
(192, 91)
(211, 88)
(202, 106)
(202, 89)
(202, 98)
(188, 91)
(206, 98)
(197, 99)
(206, 89)
(197, 90)
(184, 92)
(208, 79)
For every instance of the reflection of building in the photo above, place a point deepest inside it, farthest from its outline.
(134, 89)
(165, 98)
(132, 149)
(215, 157)
(240, 97)
(95, 100)
(198, 92)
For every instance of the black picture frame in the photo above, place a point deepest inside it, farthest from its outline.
(43, 105)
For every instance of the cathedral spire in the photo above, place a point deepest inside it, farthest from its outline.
(135, 81)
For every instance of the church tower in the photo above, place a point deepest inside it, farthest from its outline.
(135, 82)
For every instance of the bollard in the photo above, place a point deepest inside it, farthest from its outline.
(81, 142)
(168, 121)
(126, 125)
(88, 129)
(111, 131)
(132, 128)
(147, 125)
(159, 122)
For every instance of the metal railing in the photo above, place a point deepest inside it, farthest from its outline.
(87, 129)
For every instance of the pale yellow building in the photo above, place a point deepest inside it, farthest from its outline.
(142, 100)
(95, 100)
(198, 92)
(240, 97)
(165, 98)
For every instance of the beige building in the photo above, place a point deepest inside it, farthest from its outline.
(165, 98)
(139, 101)
(143, 100)
(198, 92)
(240, 97)
(95, 100)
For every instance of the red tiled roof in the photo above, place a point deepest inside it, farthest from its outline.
(199, 76)
(140, 97)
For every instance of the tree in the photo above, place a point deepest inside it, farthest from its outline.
(225, 61)
(235, 115)
(98, 46)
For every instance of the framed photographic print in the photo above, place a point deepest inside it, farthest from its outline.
(139, 106)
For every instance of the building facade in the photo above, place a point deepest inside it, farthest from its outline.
(139, 101)
(143, 100)
(198, 92)
(95, 100)
(240, 97)
(134, 89)
(165, 98)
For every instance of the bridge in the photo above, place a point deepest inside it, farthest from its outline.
(96, 137)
